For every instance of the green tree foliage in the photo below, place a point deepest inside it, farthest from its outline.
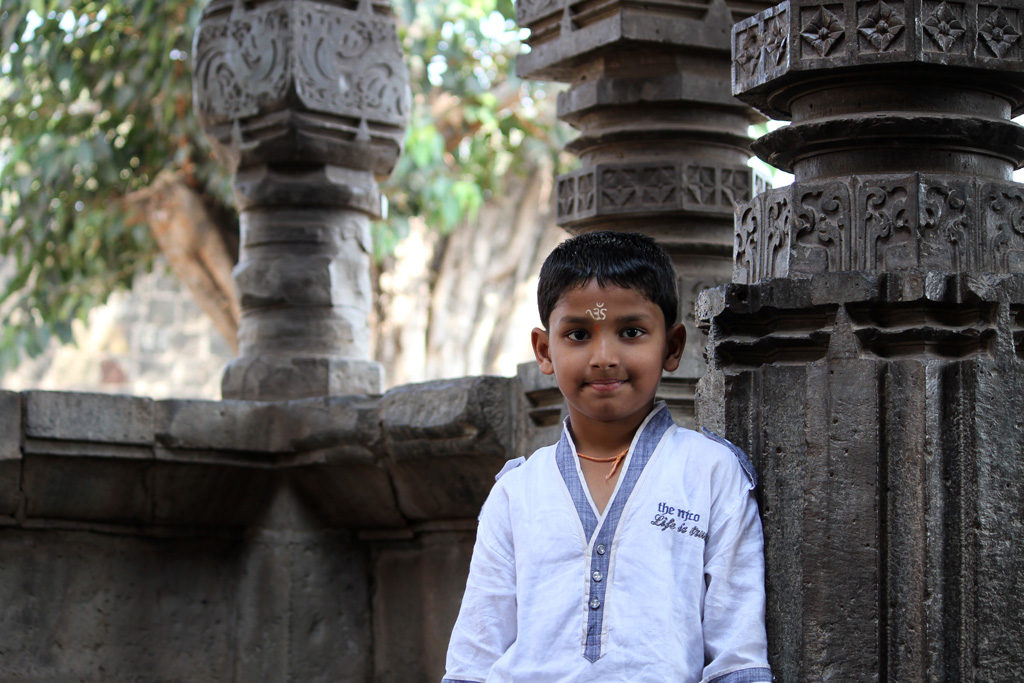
(95, 101)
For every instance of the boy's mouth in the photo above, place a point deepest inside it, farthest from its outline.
(604, 385)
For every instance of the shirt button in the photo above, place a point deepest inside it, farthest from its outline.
(597, 575)
(601, 549)
(595, 603)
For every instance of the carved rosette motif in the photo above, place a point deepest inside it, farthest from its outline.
(916, 222)
(968, 33)
(338, 71)
(622, 189)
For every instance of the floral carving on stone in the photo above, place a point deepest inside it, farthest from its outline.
(659, 185)
(701, 184)
(881, 27)
(999, 34)
(944, 26)
(776, 38)
(748, 52)
(823, 31)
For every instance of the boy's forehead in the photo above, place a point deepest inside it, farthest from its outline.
(590, 293)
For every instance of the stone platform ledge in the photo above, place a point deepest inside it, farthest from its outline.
(416, 454)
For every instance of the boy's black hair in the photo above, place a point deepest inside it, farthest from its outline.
(625, 259)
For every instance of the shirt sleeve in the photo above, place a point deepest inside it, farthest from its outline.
(735, 645)
(486, 626)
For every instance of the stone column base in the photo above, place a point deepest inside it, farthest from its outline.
(283, 379)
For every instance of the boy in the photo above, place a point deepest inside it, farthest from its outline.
(631, 550)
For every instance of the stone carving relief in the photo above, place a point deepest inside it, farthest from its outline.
(944, 24)
(777, 229)
(1004, 227)
(339, 61)
(945, 226)
(748, 52)
(346, 64)
(776, 40)
(822, 29)
(566, 196)
(620, 188)
(241, 64)
(895, 223)
(881, 26)
(821, 231)
(889, 238)
(745, 252)
(700, 184)
(999, 34)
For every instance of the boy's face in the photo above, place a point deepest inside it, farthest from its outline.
(607, 347)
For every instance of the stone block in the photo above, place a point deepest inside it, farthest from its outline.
(98, 418)
(83, 488)
(411, 626)
(238, 426)
(10, 452)
(268, 378)
(87, 606)
(445, 441)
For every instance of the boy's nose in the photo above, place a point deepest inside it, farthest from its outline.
(604, 353)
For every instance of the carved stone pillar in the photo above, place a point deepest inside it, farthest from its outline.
(870, 351)
(306, 102)
(663, 147)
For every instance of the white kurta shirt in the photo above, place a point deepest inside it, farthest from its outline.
(666, 585)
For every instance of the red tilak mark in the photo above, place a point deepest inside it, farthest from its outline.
(597, 328)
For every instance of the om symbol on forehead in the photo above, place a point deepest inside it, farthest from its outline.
(598, 311)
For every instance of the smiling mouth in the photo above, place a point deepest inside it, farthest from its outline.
(604, 385)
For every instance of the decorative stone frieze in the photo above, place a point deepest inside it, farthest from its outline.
(662, 145)
(307, 103)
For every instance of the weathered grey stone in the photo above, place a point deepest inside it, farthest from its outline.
(270, 378)
(303, 600)
(883, 453)
(99, 418)
(85, 606)
(445, 441)
(76, 487)
(10, 452)
(418, 587)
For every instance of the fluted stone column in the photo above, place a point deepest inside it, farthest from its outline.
(870, 351)
(663, 146)
(306, 102)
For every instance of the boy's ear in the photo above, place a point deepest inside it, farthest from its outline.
(542, 350)
(676, 343)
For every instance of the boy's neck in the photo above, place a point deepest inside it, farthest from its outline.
(597, 438)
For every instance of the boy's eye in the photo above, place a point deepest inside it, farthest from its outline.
(632, 332)
(577, 335)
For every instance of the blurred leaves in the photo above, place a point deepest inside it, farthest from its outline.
(95, 99)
